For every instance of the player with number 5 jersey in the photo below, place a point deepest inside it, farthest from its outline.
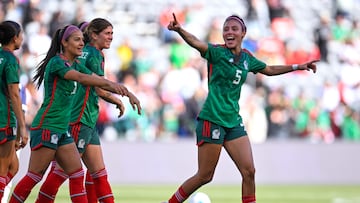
(219, 123)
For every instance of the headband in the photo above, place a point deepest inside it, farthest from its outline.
(83, 26)
(237, 18)
(69, 30)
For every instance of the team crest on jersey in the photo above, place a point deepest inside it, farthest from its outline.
(1, 60)
(81, 144)
(246, 65)
(215, 134)
(54, 139)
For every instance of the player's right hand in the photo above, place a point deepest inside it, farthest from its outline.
(174, 24)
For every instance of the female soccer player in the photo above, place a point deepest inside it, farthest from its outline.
(85, 112)
(219, 123)
(11, 114)
(59, 71)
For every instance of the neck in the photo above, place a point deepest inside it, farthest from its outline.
(8, 48)
(236, 51)
(69, 57)
(95, 45)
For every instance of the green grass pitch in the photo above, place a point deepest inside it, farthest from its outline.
(231, 193)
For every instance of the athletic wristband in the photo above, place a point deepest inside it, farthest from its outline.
(295, 66)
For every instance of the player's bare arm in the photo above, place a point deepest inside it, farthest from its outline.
(281, 69)
(188, 37)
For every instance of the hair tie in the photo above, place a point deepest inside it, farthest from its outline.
(83, 26)
(237, 18)
(68, 31)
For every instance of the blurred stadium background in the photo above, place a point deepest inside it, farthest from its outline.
(305, 127)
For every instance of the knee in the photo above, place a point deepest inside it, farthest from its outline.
(248, 173)
(206, 177)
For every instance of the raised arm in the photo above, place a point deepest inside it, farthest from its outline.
(188, 37)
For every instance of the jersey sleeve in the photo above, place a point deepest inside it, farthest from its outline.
(83, 69)
(212, 53)
(95, 65)
(12, 69)
(59, 67)
(256, 65)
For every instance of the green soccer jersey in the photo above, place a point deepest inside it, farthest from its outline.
(85, 107)
(226, 74)
(54, 113)
(9, 74)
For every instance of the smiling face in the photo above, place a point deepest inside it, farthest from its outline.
(73, 45)
(233, 34)
(103, 39)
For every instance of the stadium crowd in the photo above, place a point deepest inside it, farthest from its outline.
(170, 78)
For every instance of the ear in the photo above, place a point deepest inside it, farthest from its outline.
(93, 36)
(243, 34)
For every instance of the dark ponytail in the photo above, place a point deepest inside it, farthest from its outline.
(55, 48)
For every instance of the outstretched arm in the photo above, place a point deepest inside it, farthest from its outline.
(97, 81)
(188, 37)
(281, 69)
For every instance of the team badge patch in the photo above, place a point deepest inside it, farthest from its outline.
(54, 139)
(215, 134)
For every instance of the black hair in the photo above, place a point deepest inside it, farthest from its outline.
(83, 27)
(55, 48)
(8, 30)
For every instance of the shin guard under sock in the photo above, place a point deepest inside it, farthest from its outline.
(102, 186)
(2, 186)
(51, 185)
(24, 187)
(90, 188)
(76, 187)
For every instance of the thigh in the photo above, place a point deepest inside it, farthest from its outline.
(14, 164)
(40, 159)
(7, 150)
(208, 157)
(239, 150)
(93, 158)
(67, 156)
